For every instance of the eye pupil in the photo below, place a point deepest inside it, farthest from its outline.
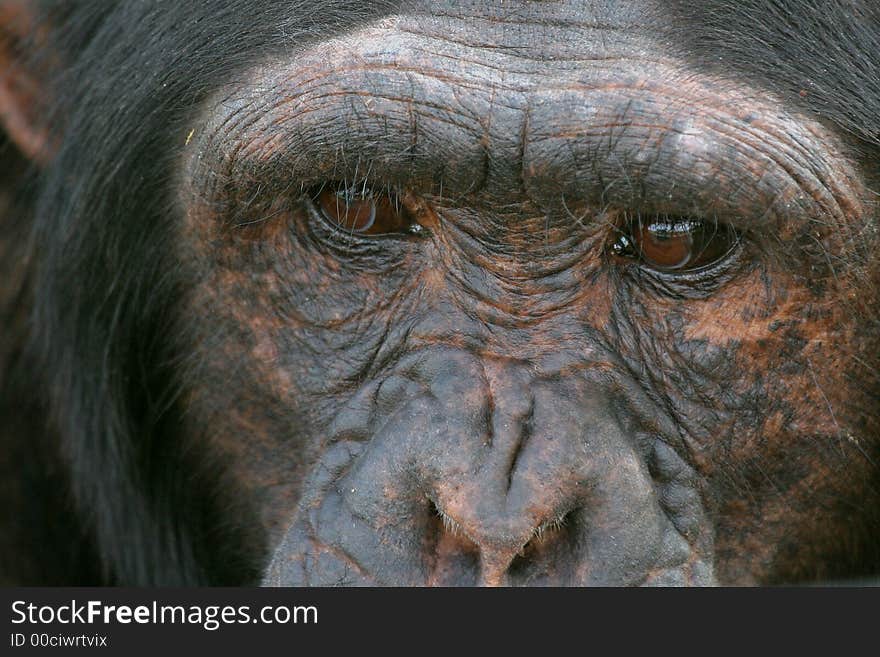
(362, 210)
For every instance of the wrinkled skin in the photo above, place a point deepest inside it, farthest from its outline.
(500, 399)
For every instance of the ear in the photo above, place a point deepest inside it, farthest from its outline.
(24, 73)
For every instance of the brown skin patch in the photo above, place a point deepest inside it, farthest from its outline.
(502, 367)
(798, 339)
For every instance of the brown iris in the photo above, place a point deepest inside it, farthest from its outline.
(362, 210)
(680, 244)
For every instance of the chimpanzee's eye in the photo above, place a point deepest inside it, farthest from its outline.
(360, 209)
(675, 244)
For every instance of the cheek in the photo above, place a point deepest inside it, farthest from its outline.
(242, 404)
(791, 450)
(793, 354)
(272, 331)
(241, 396)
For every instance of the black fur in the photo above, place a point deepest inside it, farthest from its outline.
(134, 73)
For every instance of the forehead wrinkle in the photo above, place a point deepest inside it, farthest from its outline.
(302, 121)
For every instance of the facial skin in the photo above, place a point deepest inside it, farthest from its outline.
(503, 395)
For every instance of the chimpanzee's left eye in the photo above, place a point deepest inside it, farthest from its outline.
(360, 209)
(675, 244)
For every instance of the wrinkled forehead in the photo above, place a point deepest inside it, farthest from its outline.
(538, 32)
(550, 100)
(519, 36)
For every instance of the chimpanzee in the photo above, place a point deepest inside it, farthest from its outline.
(463, 292)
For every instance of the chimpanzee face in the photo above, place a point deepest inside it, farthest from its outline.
(458, 292)
(521, 293)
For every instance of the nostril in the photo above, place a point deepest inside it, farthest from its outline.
(551, 547)
(450, 526)
(544, 530)
(452, 559)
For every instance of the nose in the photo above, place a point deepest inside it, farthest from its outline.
(549, 474)
(520, 478)
(484, 474)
